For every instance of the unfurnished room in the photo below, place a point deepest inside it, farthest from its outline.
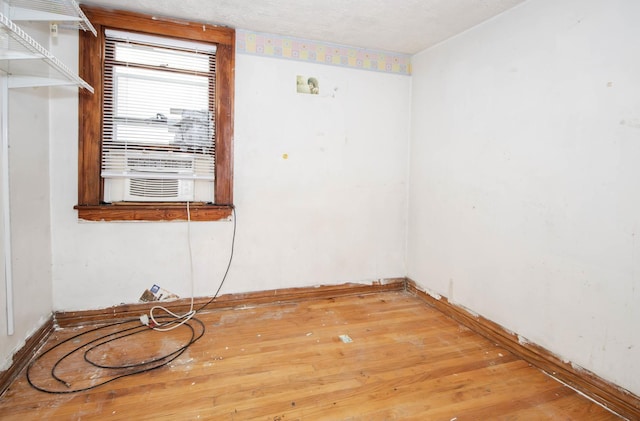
(320, 210)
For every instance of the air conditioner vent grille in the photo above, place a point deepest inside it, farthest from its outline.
(153, 187)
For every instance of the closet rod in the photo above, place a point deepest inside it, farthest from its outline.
(6, 204)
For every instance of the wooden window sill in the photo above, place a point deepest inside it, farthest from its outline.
(153, 212)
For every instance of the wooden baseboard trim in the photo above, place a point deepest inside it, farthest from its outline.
(25, 354)
(607, 394)
(78, 318)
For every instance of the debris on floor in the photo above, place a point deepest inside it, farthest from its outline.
(155, 293)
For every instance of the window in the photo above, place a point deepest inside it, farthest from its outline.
(158, 131)
(157, 119)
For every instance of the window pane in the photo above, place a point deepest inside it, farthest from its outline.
(145, 93)
(159, 107)
(128, 134)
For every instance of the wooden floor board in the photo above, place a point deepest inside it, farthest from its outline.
(406, 361)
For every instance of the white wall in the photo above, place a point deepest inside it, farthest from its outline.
(333, 212)
(28, 130)
(525, 196)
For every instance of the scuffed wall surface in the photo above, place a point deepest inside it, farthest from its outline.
(30, 213)
(524, 202)
(320, 189)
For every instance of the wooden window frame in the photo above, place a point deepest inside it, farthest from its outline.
(91, 60)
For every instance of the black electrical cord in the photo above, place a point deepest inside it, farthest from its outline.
(94, 345)
(139, 367)
(226, 272)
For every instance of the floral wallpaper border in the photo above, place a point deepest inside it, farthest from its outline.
(270, 45)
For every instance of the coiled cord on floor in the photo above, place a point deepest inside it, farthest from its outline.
(117, 331)
(95, 345)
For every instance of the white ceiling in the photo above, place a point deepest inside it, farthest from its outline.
(402, 26)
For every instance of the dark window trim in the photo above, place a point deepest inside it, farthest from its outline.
(91, 60)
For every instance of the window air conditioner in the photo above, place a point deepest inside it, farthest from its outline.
(156, 177)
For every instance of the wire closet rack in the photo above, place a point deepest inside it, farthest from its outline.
(26, 62)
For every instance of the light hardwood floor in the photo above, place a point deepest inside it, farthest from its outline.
(406, 361)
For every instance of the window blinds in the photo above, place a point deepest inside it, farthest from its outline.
(158, 110)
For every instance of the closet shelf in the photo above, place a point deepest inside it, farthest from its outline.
(64, 12)
(16, 46)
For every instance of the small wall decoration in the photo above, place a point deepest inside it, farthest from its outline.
(307, 85)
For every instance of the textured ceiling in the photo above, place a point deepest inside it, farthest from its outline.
(402, 26)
